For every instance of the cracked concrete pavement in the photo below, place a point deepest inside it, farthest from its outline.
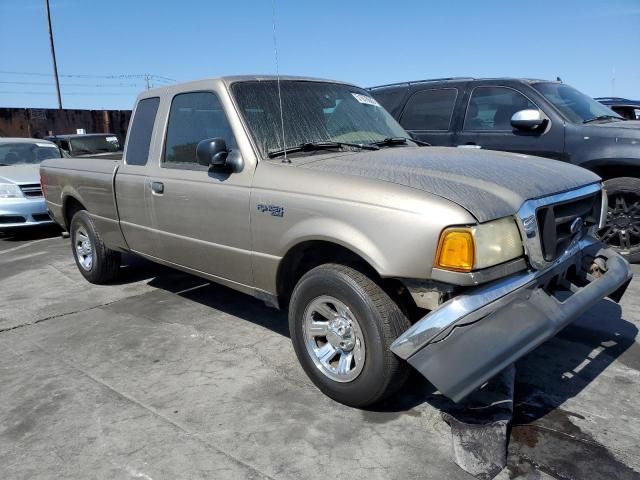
(164, 375)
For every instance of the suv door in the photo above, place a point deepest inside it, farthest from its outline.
(487, 124)
(200, 215)
(428, 113)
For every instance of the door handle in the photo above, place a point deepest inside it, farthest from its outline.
(157, 188)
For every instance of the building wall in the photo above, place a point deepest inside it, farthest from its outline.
(40, 122)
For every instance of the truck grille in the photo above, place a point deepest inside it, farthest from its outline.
(561, 223)
(31, 190)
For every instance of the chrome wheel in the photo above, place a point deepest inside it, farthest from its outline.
(334, 339)
(84, 249)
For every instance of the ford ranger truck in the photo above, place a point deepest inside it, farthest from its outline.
(308, 195)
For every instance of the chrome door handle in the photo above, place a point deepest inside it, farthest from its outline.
(157, 188)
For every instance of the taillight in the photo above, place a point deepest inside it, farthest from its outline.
(42, 185)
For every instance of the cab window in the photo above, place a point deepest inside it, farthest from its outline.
(193, 117)
(491, 108)
(430, 109)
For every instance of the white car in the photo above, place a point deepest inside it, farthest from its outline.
(21, 201)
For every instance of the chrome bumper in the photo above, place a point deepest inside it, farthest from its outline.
(23, 212)
(471, 338)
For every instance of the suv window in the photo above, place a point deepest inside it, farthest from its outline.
(491, 108)
(141, 130)
(194, 117)
(429, 109)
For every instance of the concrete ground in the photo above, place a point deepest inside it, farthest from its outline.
(165, 376)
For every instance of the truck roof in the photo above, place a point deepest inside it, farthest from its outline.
(228, 80)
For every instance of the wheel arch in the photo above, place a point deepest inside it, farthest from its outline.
(70, 205)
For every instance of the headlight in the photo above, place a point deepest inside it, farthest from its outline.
(9, 190)
(463, 249)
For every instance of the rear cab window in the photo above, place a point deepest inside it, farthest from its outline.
(139, 141)
(430, 109)
(193, 117)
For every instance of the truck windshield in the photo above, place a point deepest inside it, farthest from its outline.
(25, 153)
(313, 112)
(573, 104)
(94, 144)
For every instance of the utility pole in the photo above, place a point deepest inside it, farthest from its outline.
(147, 79)
(53, 55)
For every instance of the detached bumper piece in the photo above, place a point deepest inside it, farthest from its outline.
(473, 337)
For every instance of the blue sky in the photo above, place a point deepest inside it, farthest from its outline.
(586, 42)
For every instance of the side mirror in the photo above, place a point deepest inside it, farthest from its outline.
(212, 152)
(529, 119)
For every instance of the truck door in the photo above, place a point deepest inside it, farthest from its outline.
(487, 124)
(131, 183)
(200, 216)
(427, 115)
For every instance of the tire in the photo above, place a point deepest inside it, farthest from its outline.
(622, 230)
(371, 322)
(97, 263)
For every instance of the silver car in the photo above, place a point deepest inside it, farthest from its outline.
(21, 201)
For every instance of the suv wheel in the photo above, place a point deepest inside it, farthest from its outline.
(96, 262)
(622, 230)
(342, 325)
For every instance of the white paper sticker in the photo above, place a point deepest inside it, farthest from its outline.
(50, 145)
(112, 139)
(366, 99)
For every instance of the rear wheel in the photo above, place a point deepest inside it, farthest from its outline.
(342, 325)
(96, 262)
(622, 229)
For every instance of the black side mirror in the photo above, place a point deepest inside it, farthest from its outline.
(212, 152)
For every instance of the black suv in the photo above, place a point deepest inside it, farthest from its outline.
(535, 117)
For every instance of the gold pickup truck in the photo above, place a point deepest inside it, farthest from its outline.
(386, 252)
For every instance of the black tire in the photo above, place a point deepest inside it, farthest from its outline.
(622, 230)
(380, 321)
(105, 262)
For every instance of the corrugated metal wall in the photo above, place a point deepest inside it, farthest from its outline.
(40, 122)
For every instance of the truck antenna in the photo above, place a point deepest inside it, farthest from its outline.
(275, 50)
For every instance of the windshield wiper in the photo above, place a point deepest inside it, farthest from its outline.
(399, 141)
(602, 117)
(313, 146)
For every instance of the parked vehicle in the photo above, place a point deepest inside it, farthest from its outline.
(21, 200)
(629, 109)
(104, 145)
(454, 260)
(536, 117)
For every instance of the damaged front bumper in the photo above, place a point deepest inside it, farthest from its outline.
(473, 337)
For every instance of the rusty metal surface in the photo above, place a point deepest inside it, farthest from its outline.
(40, 122)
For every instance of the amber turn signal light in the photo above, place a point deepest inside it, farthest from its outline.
(455, 250)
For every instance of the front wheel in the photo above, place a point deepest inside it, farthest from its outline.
(96, 262)
(622, 229)
(342, 325)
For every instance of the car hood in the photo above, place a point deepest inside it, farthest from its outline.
(625, 124)
(20, 174)
(486, 183)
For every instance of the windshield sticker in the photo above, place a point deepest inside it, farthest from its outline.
(366, 99)
(49, 145)
(112, 139)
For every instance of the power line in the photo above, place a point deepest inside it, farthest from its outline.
(6, 92)
(87, 76)
(99, 85)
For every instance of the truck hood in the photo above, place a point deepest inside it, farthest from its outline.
(20, 174)
(486, 183)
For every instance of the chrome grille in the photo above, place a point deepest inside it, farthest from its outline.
(31, 190)
(551, 225)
